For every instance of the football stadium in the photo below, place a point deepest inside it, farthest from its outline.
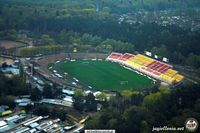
(118, 71)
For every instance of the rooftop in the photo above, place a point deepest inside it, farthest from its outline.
(2, 123)
(67, 91)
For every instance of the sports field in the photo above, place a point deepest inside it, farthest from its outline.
(105, 75)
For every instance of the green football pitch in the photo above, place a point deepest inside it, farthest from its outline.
(104, 75)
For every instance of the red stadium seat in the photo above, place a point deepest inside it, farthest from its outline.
(126, 56)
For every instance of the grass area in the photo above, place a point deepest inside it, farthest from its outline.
(105, 75)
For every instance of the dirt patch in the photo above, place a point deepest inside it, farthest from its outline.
(10, 44)
(8, 61)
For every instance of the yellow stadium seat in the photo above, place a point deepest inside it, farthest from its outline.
(171, 73)
(178, 77)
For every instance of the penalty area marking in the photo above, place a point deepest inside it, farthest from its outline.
(123, 82)
(85, 63)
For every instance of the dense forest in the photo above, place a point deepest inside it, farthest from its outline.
(138, 112)
(68, 23)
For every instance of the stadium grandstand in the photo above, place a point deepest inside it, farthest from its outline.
(156, 69)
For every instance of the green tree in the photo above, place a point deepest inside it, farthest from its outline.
(64, 37)
(155, 98)
(36, 94)
(7, 100)
(193, 60)
(47, 40)
(4, 65)
(42, 110)
(62, 114)
(161, 51)
(144, 128)
(48, 91)
(90, 103)
(86, 39)
(78, 100)
(101, 97)
(177, 57)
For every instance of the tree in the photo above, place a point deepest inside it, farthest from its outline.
(4, 65)
(62, 114)
(57, 90)
(57, 13)
(155, 98)
(47, 40)
(90, 103)
(113, 123)
(104, 48)
(102, 97)
(193, 60)
(144, 127)
(35, 94)
(137, 99)
(64, 37)
(20, 13)
(162, 51)
(48, 91)
(177, 57)
(86, 39)
(13, 86)
(84, 47)
(78, 100)
(28, 108)
(133, 117)
(42, 110)
(96, 40)
(7, 100)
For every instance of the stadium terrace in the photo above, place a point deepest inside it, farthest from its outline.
(156, 69)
